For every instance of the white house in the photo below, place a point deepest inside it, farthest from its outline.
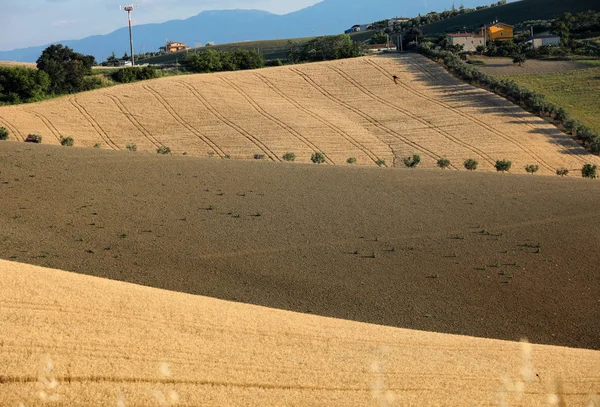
(393, 21)
(469, 41)
(543, 40)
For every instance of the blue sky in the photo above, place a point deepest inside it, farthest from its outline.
(38, 22)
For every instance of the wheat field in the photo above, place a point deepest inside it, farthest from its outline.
(348, 108)
(63, 344)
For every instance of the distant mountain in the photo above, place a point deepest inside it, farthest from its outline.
(328, 16)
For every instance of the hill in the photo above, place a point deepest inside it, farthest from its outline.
(479, 254)
(134, 345)
(325, 17)
(511, 13)
(348, 108)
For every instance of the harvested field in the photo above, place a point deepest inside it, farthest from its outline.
(24, 64)
(349, 108)
(480, 254)
(63, 344)
(505, 66)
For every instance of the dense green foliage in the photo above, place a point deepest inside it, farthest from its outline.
(133, 74)
(325, 49)
(217, 61)
(471, 164)
(443, 163)
(509, 89)
(67, 141)
(20, 84)
(412, 162)
(503, 165)
(289, 157)
(3, 133)
(532, 168)
(66, 68)
(589, 171)
(318, 158)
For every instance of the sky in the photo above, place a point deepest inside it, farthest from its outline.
(38, 22)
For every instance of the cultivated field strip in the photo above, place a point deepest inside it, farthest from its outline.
(136, 345)
(347, 108)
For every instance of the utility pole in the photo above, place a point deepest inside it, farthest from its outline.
(129, 9)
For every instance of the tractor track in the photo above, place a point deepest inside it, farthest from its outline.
(315, 116)
(229, 123)
(129, 116)
(424, 122)
(47, 123)
(182, 121)
(12, 128)
(105, 137)
(365, 116)
(275, 120)
(468, 117)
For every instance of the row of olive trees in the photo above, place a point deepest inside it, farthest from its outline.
(524, 97)
(216, 61)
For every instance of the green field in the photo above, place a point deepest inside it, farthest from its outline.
(511, 13)
(578, 92)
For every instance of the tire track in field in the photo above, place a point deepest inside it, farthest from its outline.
(182, 121)
(564, 147)
(275, 120)
(468, 117)
(47, 123)
(229, 123)
(13, 129)
(424, 122)
(129, 116)
(315, 116)
(105, 137)
(365, 116)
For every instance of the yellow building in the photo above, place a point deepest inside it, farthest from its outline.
(497, 31)
(173, 46)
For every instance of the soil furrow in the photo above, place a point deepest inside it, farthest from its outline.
(105, 137)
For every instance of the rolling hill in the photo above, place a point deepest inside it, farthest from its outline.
(135, 345)
(349, 108)
(511, 13)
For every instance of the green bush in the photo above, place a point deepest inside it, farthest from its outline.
(471, 164)
(131, 147)
(21, 85)
(531, 168)
(351, 160)
(443, 163)
(562, 172)
(134, 73)
(412, 162)
(163, 150)
(289, 157)
(33, 138)
(259, 156)
(503, 165)
(589, 171)
(380, 162)
(318, 158)
(595, 145)
(67, 141)
(3, 133)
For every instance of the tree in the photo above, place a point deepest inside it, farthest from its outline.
(519, 59)
(589, 171)
(20, 84)
(3, 133)
(443, 163)
(503, 165)
(207, 61)
(471, 164)
(65, 68)
(412, 162)
(379, 38)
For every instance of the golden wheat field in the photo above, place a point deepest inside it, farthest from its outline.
(349, 108)
(63, 344)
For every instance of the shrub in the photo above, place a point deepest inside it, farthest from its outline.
(133, 74)
(3, 133)
(595, 145)
(471, 164)
(34, 138)
(163, 150)
(380, 162)
(585, 134)
(351, 160)
(443, 163)
(532, 168)
(562, 172)
(67, 141)
(572, 126)
(131, 147)
(503, 165)
(289, 157)
(412, 162)
(318, 158)
(561, 115)
(259, 156)
(589, 171)
(97, 145)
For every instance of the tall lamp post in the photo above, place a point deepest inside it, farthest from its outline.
(129, 9)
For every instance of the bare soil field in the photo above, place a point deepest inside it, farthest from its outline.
(481, 254)
(349, 108)
(505, 67)
(73, 340)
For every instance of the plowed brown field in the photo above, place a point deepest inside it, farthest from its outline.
(349, 108)
(64, 344)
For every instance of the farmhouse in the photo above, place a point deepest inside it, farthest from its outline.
(174, 46)
(469, 41)
(497, 31)
(544, 40)
(356, 28)
(382, 47)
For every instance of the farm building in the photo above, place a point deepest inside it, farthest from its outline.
(382, 47)
(469, 41)
(544, 40)
(497, 31)
(393, 21)
(174, 46)
(356, 28)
